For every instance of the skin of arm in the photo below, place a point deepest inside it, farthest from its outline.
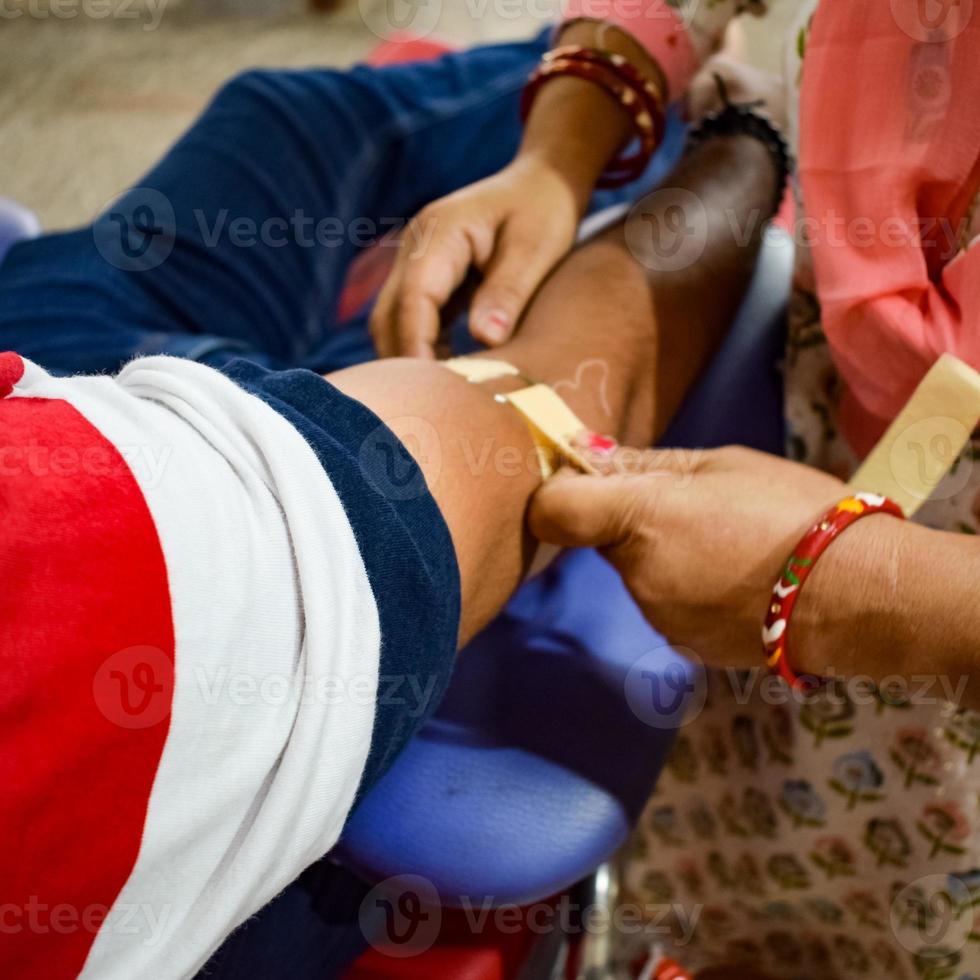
(574, 127)
(515, 225)
(895, 598)
(620, 338)
(700, 552)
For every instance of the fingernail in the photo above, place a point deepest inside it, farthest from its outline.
(598, 444)
(494, 326)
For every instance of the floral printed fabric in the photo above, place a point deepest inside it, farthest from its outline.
(836, 835)
(826, 835)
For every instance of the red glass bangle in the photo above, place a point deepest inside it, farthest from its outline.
(619, 64)
(640, 97)
(775, 631)
(623, 169)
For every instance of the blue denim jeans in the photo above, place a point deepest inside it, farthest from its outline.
(239, 240)
(237, 243)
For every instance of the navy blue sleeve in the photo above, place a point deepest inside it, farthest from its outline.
(404, 543)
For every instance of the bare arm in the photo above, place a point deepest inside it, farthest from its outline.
(892, 598)
(621, 337)
(515, 225)
(889, 600)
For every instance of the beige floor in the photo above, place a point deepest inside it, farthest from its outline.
(88, 102)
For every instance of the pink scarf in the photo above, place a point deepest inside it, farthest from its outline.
(889, 165)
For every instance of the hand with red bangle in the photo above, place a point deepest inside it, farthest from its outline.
(701, 537)
(515, 226)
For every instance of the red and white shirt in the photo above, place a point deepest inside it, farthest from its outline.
(204, 576)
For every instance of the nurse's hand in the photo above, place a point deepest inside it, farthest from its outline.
(700, 538)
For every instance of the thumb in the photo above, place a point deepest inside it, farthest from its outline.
(577, 511)
(518, 266)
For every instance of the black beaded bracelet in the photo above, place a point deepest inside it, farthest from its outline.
(741, 119)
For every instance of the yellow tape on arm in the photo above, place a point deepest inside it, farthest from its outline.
(926, 438)
(480, 369)
(554, 427)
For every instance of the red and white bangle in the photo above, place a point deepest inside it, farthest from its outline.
(786, 592)
(613, 73)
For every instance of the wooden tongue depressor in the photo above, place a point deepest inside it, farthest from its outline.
(926, 438)
(554, 426)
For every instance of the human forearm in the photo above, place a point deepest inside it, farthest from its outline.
(892, 598)
(618, 337)
(686, 283)
(514, 226)
(590, 335)
(575, 127)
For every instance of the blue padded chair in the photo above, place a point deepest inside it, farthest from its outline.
(555, 727)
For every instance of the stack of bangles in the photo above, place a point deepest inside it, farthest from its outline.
(639, 96)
